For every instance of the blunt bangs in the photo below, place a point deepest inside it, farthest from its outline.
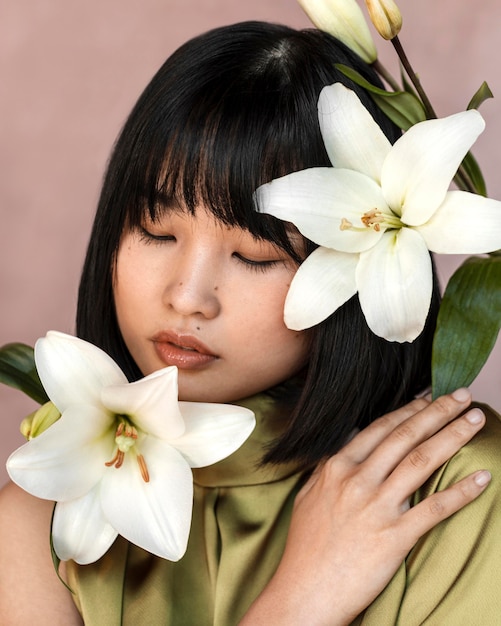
(244, 114)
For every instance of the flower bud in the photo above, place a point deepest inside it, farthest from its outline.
(35, 423)
(342, 19)
(386, 17)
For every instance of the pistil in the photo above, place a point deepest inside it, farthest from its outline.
(126, 439)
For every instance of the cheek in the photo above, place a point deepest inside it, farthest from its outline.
(134, 271)
(264, 314)
(292, 344)
(122, 279)
(130, 287)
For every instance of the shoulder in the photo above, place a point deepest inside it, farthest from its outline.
(30, 590)
(452, 574)
(483, 452)
(455, 568)
(23, 518)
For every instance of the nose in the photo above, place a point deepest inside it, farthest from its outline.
(192, 287)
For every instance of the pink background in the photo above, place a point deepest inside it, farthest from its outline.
(69, 74)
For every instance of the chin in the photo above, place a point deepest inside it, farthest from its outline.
(187, 394)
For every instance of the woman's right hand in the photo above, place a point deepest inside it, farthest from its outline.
(352, 526)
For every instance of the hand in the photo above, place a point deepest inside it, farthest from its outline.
(352, 527)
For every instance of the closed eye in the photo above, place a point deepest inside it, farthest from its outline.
(149, 237)
(256, 265)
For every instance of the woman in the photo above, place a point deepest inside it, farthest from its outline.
(181, 270)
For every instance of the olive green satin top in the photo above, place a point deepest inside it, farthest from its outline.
(240, 521)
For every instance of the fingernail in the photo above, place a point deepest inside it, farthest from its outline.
(482, 478)
(461, 395)
(475, 416)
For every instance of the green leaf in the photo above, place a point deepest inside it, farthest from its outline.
(18, 370)
(359, 80)
(408, 86)
(468, 324)
(403, 108)
(482, 94)
(474, 173)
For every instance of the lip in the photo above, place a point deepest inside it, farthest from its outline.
(184, 351)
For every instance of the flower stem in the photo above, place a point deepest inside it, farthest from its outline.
(385, 75)
(430, 113)
(462, 178)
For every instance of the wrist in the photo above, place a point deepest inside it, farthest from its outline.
(287, 603)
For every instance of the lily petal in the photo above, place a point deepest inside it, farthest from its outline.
(395, 284)
(465, 223)
(317, 200)
(213, 431)
(345, 20)
(352, 138)
(80, 530)
(323, 282)
(151, 403)
(153, 515)
(67, 460)
(418, 171)
(73, 371)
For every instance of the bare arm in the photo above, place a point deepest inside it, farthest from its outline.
(30, 591)
(351, 527)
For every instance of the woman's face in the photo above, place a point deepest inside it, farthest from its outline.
(207, 298)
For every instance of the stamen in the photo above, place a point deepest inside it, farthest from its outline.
(143, 468)
(130, 432)
(373, 218)
(120, 459)
(117, 460)
(125, 438)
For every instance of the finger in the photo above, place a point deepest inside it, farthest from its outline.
(413, 431)
(367, 440)
(427, 457)
(439, 506)
(362, 444)
(381, 446)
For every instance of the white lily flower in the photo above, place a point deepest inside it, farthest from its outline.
(343, 19)
(118, 460)
(377, 213)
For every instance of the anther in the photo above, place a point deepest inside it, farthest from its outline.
(143, 468)
(117, 460)
(372, 218)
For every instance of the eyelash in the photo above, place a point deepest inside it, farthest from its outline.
(256, 266)
(148, 237)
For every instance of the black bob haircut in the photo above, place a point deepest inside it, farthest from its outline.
(228, 111)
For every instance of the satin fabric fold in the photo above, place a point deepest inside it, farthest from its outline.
(240, 522)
